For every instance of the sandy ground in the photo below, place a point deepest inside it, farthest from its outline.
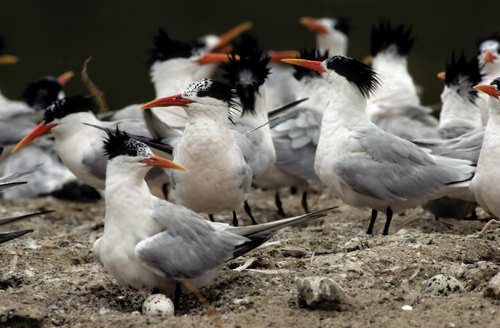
(50, 278)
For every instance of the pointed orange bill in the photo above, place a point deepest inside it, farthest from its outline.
(311, 64)
(158, 161)
(7, 59)
(314, 25)
(211, 58)
(65, 77)
(225, 38)
(489, 57)
(441, 75)
(490, 90)
(38, 131)
(175, 100)
(277, 56)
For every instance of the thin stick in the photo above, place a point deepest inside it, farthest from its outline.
(202, 299)
(36, 257)
(93, 89)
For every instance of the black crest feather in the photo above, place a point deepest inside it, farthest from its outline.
(385, 36)
(343, 25)
(246, 76)
(301, 72)
(69, 105)
(166, 48)
(41, 93)
(463, 75)
(119, 143)
(247, 45)
(363, 76)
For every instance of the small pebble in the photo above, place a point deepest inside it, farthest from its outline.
(158, 305)
(407, 308)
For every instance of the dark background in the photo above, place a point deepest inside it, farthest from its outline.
(54, 36)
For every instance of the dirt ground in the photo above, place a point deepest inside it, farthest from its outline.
(50, 278)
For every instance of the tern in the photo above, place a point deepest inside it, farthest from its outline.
(485, 185)
(366, 166)
(395, 105)
(151, 243)
(332, 34)
(489, 58)
(208, 139)
(79, 145)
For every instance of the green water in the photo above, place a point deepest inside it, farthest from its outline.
(51, 37)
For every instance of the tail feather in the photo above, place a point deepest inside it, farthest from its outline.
(259, 229)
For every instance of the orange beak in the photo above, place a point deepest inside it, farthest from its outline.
(490, 90)
(489, 57)
(65, 77)
(441, 75)
(38, 131)
(7, 59)
(175, 100)
(311, 64)
(313, 24)
(211, 58)
(225, 38)
(158, 161)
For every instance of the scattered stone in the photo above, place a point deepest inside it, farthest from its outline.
(324, 294)
(407, 308)
(294, 251)
(442, 285)
(158, 305)
(493, 288)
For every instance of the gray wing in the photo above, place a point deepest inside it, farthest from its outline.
(188, 245)
(393, 170)
(295, 142)
(467, 146)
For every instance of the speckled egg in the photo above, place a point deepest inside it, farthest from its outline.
(158, 305)
(442, 285)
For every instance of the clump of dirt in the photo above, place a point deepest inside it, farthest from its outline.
(50, 278)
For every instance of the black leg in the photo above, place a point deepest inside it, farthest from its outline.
(177, 297)
(436, 217)
(372, 222)
(277, 200)
(387, 221)
(248, 210)
(211, 216)
(155, 291)
(235, 219)
(304, 202)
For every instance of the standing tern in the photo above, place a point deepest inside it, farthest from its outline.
(366, 166)
(152, 243)
(486, 182)
(207, 139)
(395, 105)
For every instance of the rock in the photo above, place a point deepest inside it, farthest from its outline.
(158, 304)
(324, 294)
(442, 285)
(294, 251)
(493, 288)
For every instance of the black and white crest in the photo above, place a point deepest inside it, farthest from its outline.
(462, 76)
(165, 48)
(42, 93)
(496, 83)
(492, 40)
(385, 36)
(246, 76)
(301, 72)
(210, 88)
(119, 143)
(355, 72)
(69, 105)
(342, 24)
